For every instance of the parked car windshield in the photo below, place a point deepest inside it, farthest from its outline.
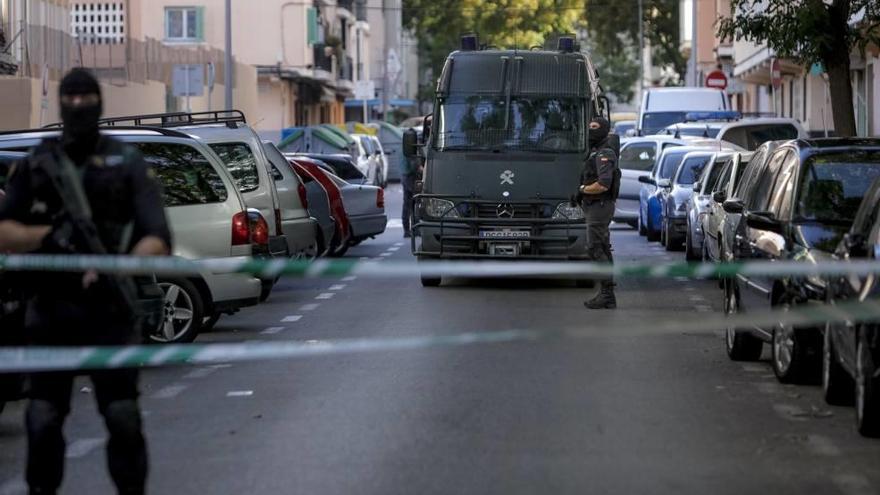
(655, 122)
(241, 163)
(670, 164)
(638, 156)
(833, 184)
(186, 175)
(691, 170)
(544, 124)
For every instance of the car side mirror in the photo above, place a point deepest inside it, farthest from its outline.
(719, 196)
(410, 143)
(645, 179)
(733, 206)
(697, 187)
(763, 221)
(665, 183)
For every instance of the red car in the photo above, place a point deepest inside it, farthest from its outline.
(308, 170)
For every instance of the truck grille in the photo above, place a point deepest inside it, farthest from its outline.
(517, 211)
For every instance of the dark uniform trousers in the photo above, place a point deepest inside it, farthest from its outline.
(409, 186)
(598, 215)
(116, 393)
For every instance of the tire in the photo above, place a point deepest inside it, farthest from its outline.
(672, 242)
(641, 225)
(176, 328)
(428, 281)
(689, 253)
(652, 234)
(266, 289)
(792, 356)
(837, 386)
(741, 346)
(867, 386)
(663, 239)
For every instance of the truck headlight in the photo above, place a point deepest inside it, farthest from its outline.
(439, 208)
(564, 211)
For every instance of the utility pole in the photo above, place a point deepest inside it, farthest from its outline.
(641, 51)
(227, 63)
(693, 59)
(385, 80)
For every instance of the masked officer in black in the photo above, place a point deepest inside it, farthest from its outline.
(76, 309)
(600, 185)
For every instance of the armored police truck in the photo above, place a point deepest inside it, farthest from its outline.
(503, 155)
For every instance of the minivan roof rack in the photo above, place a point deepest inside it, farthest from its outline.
(175, 119)
(53, 128)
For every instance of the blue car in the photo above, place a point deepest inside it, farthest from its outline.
(654, 185)
(673, 214)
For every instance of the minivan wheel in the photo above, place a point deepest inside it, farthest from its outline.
(837, 386)
(183, 312)
(867, 388)
(741, 346)
(689, 252)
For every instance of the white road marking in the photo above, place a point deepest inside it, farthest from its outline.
(313, 342)
(350, 278)
(325, 295)
(822, 445)
(14, 487)
(386, 254)
(398, 244)
(753, 367)
(364, 258)
(392, 249)
(690, 289)
(291, 318)
(239, 393)
(169, 391)
(200, 372)
(309, 307)
(682, 279)
(696, 298)
(272, 330)
(702, 308)
(82, 447)
(337, 287)
(394, 223)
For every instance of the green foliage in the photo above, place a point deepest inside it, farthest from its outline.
(808, 31)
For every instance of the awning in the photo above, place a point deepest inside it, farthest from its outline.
(376, 102)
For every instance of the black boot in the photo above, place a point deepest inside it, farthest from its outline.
(604, 299)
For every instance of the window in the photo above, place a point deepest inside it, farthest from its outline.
(241, 163)
(833, 184)
(748, 175)
(670, 164)
(184, 23)
(187, 177)
(780, 204)
(107, 26)
(752, 136)
(638, 156)
(691, 169)
(714, 173)
(760, 199)
(724, 178)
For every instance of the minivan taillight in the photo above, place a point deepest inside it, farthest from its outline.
(241, 232)
(303, 195)
(259, 228)
(380, 198)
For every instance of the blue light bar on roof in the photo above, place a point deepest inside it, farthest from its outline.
(566, 44)
(470, 42)
(698, 116)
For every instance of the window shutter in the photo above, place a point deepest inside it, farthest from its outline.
(200, 23)
(312, 25)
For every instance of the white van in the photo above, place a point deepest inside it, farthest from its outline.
(662, 107)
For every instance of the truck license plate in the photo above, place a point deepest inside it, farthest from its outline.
(505, 234)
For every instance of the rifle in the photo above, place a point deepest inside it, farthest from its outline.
(67, 182)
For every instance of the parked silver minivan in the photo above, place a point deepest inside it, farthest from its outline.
(208, 221)
(297, 225)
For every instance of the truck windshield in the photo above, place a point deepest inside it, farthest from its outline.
(544, 124)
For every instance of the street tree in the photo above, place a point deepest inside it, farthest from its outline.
(811, 31)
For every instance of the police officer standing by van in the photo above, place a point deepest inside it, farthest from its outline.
(124, 203)
(600, 184)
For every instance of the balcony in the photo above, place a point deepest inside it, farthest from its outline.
(346, 71)
(323, 56)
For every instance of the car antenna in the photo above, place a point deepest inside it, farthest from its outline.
(677, 132)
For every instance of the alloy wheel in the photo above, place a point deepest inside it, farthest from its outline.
(731, 308)
(178, 313)
(783, 346)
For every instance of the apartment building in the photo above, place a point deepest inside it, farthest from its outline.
(43, 39)
(802, 94)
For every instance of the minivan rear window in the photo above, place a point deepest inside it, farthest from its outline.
(752, 136)
(186, 175)
(241, 163)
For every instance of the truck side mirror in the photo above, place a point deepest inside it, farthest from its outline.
(410, 143)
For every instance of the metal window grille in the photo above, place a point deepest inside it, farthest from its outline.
(98, 23)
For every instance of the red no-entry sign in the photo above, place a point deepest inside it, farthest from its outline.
(716, 79)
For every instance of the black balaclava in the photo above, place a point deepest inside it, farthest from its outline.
(80, 135)
(597, 136)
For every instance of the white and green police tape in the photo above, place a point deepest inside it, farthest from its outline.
(34, 359)
(167, 266)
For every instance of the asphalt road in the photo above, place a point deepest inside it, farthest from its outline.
(620, 411)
